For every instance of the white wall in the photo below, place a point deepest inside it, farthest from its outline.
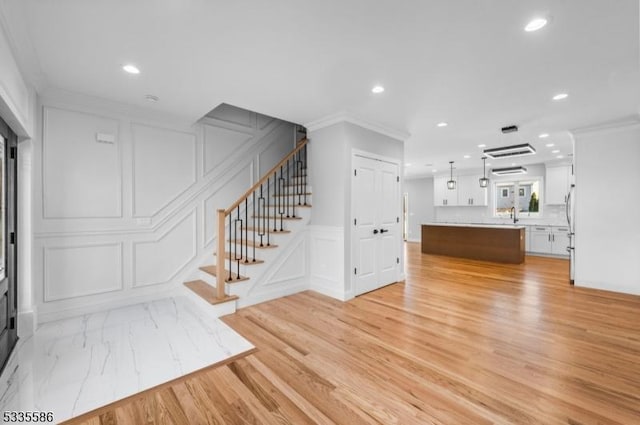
(117, 223)
(17, 98)
(607, 178)
(421, 209)
(330, 233)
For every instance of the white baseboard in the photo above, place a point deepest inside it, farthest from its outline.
(26, 323)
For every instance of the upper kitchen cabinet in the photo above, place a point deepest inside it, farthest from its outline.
(557, 184)
(442, 195)
(470, 193)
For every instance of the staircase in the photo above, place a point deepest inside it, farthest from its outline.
(252, 231)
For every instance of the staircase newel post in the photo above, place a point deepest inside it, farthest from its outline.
(220, 272)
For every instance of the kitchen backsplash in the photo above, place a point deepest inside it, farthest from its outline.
(551, 215)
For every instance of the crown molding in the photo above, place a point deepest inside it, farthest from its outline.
(345, 116)
(628, 121)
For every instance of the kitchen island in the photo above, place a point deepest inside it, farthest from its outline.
(488, 242)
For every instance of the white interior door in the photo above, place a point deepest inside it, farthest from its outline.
(376, 209)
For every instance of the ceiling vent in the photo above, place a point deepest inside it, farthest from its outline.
(510, 151)
(509, 171)
(509, 129)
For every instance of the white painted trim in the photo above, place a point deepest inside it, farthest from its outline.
(344, 116)
(26, 323)
(194, 177)
(629, 121)
(43, 162)
(119, 286)
(134, 264)
(320, 282)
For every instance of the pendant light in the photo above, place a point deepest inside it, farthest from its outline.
(484, 181)
(451, 184)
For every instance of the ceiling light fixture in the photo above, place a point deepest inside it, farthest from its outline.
(543, 135)
(408, 164)
(535, 24)
(467, 156)
(484, 181)
(377, 89)
(549, 145)
(451, 184)
(510, 151)
(442, 124)
(559, 156)
(560, 96)
(482, 145)
(131, 69)
(508, 171)
(555, 151)
(434, 171)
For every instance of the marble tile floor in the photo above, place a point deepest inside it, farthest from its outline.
(73, 366)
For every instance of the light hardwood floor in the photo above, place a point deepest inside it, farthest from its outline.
(461, 342)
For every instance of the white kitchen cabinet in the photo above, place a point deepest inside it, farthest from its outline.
(557, 183)
(559, 240)
(470, 193)
(442, 195)
(541, 239)
(549, 240)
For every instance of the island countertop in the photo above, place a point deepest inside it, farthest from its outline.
(488, 242)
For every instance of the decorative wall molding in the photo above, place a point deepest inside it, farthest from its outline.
(623, 122)
(326, 253)
(49, 281)
(189, 184)
(136, 282)
(44, 164)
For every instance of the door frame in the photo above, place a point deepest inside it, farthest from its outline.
(351, 291)
(11, 227)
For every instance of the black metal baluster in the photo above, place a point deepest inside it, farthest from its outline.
(264, 212)
(253, 203)
(280, 184)
(304, 162)
(261, 230)
(287, 185)
(235, 228)
(246, 232)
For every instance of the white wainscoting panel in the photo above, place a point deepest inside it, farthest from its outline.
(81, 177)
(164, 167)
(326, 253)
(294, 265)
(156, 262)
(79, 270)
(223, 198)
(220, 144)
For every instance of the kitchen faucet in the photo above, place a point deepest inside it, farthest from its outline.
(512, 214)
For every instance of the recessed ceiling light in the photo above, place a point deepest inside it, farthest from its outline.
(467, 156)
(151, 98)
(543, 135)
(560, 96)
(131, 69)
(549, 145)
(442, 124)
(559, 156)
(488, 164)
(535, 24)
(555, 151)
(434, 171)
(513, 164)
(408, 164)
(377, 89)
(482, 145)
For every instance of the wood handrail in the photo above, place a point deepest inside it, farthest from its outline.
(268, 174)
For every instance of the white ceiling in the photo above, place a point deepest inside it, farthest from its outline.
(466, 62)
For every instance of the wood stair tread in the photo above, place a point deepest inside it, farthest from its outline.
(208, 292)
(257, 244)
(251, 229)
(212, 270)
(272, 217)
(250, 261)
(290, 206)
(292, 194)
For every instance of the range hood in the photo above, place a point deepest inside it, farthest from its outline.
(508, 171)
(510, 151)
